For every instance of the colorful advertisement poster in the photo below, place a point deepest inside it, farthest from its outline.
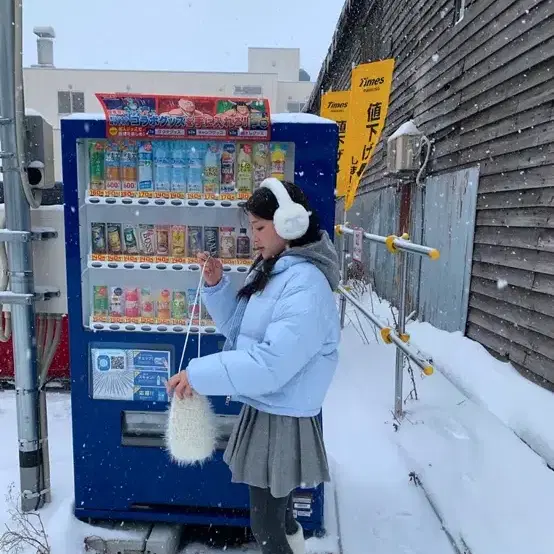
(368, 107)
(130, 374)
(185, 117)
(334, 106)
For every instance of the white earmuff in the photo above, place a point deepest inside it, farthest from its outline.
(291, 220)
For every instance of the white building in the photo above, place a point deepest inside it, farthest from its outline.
(273, 73)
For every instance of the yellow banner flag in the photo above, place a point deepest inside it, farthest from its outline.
(334, 106)
(369, 104)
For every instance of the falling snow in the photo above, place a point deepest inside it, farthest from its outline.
(501, 284)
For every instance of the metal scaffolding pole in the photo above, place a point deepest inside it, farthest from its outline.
(20, 263)
(395, 243)
(399, 369)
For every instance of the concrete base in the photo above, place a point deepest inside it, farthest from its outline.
(164, 539)
(135, 538)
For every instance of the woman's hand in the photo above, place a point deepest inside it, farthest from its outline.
(180, 382)
(213, 270)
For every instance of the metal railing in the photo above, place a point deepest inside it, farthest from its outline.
(400, 246)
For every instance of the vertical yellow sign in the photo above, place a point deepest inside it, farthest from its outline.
(334, 106)
(368, 107)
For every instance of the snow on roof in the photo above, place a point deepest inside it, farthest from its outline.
(299, 118)
(408, 128)
(30, 111)
(86, 116)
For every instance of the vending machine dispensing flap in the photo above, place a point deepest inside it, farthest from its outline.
(139, 428)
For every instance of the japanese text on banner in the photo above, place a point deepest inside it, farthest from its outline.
(334, 106)
(130, 115)
(369, 103)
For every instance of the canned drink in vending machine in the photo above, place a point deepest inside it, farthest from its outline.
(195, 242)
(211, 241)
(227, 243)
(162, 240)
(130, 239)
(147, 239)
(178, 242)
(98, 234)
(115, 246)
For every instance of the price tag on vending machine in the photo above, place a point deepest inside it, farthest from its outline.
(358, 244)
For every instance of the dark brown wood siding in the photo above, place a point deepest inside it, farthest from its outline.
(482, 90)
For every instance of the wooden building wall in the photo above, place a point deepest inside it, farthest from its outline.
(483, 90)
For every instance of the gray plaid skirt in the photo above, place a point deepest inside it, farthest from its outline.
(281, 453)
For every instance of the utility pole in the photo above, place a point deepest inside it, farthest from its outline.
(18, 239)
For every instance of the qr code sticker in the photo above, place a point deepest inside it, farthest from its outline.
(118, 362)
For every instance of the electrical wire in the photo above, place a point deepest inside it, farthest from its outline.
(5, 317)
(427, 142)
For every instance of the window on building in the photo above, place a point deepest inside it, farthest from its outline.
(295, 107)
(248, 90)
(71, 102)
(459, 10)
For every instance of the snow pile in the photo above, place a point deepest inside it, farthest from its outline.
(379, 510)
(524, 407)
(407, 128)
(491, 492)
(299, 118)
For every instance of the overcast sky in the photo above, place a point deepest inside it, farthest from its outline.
(186, 35)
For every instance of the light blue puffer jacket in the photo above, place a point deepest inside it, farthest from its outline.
(286, 351)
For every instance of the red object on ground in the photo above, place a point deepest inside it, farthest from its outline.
(60, 364)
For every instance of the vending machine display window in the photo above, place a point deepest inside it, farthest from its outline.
(147, 207)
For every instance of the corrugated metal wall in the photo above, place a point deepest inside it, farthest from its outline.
(377, 213)
(443, 217)
(449, 204)
(482, 89)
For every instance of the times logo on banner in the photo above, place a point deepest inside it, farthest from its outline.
(367, 112)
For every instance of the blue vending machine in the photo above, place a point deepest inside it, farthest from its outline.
(146, 185)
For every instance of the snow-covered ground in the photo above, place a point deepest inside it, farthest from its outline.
(464, 450)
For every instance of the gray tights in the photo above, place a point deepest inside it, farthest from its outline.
(271, 520)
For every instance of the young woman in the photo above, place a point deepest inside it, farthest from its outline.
(282, 332)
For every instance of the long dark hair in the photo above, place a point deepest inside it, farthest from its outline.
(263, 204)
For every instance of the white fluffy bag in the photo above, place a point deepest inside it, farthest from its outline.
(191, 434)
